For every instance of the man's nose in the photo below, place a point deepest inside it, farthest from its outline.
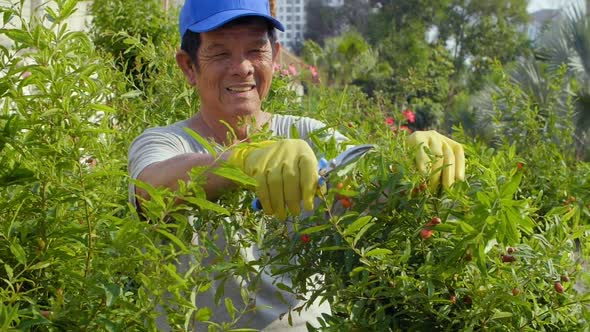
(242, 66)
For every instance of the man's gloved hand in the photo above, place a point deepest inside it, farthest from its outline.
(286, 171)
(452, 161)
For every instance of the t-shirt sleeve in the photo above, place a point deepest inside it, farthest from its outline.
(312, 125)
(306, 126)
(152, 146)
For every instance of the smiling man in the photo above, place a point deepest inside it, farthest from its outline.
(228, 52)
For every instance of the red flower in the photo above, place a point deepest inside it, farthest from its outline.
(409, 115)
(346, 202)
(406, 128)
(426, 233)
(389, 121)
(519, 165)
(305, 238)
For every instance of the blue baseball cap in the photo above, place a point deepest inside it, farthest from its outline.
(207, 15)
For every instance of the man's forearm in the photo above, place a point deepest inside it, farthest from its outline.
(166, 173)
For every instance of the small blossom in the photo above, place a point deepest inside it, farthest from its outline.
(314, 71)
(25, 74)
(285, 72)
(276, 67)
(346, 202)
(305, 238)
(293, 70)
(406, 128)
(519, 165)
(409, 115)
(390, 121)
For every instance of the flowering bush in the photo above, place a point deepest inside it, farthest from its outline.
(502, 250)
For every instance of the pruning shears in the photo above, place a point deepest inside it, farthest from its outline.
(326, 167)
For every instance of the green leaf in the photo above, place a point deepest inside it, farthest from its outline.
(446, 227)
(17, 35)
(203, 142)
(378, 252)
(207, 205)
(9, 271)
(7, 15)
(229, 306)
(357, 270)
(284, 287)
(132, 94)
(18, 252)
(112, 292)
(511, 221)
(407, 252)
(356, 225)
(463, 226)
(203, 314)
(39, 265)
(333, 248)
(509, 189)
(68, 8)
(171, 269)
(103, 108)
(360, 234)
(235, 174)
(172, 238)
(315, 229)
(501, 314)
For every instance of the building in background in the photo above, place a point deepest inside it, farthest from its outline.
(292, 14)
(333, 3)
(78, 21)
(540, 20)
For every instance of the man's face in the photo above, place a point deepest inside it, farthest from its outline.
(235, 69)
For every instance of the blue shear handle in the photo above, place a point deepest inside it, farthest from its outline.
(322, 163)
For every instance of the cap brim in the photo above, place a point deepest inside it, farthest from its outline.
(219, 19)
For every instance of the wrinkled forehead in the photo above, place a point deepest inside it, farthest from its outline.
(253, 29)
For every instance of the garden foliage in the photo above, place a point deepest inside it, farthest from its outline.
(503, 250)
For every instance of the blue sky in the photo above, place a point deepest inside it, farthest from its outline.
(535, 5)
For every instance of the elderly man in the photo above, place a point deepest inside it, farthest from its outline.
(228, 52)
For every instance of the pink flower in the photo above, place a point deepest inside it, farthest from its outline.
(285, 72)
(314, 71)
(409, 115)
(25, 74)
(390, 121)
(276, 67)
(293, 70)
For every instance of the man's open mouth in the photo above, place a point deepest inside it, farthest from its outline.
(241, 88)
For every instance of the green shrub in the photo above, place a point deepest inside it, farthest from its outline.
(75, 256)
(117, 24)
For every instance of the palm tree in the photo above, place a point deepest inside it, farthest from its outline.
(568, 44)
(565, 45)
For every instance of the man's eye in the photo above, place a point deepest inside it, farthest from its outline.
(257, 50)
(221, 55)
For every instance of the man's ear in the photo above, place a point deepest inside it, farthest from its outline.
(183, 59)
(275, 53)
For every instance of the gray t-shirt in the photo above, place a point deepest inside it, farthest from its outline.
(162, 143)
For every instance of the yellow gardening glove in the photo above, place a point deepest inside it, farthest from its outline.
(452, 159)
(286, 172)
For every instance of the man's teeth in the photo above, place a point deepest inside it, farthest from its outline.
(241, 89)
